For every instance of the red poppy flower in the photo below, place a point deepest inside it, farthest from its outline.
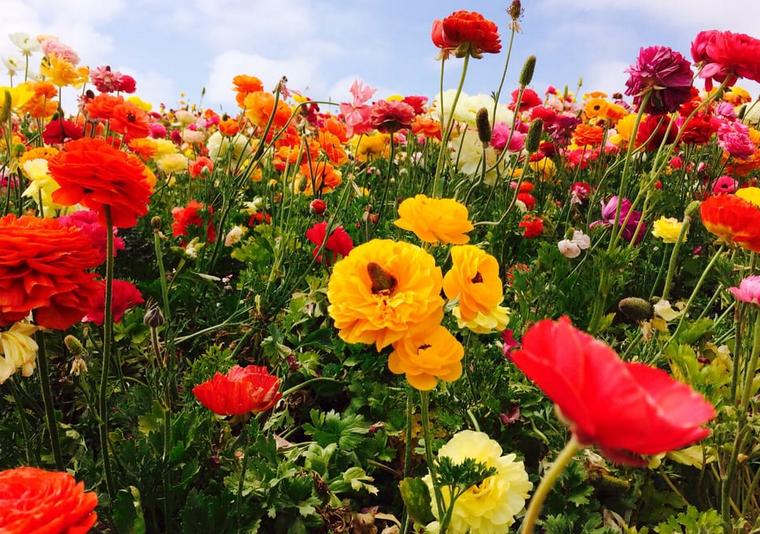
(241, 390)
(527, 199)
(626, 409)
(34, 500)
(125, 296)
(388, 117)
(466, 32)
(532, 226)
(530, 100)
(733, 219)
(93, 173)
(190, 216)
(339, 242)
(43, 269)
(198, 166)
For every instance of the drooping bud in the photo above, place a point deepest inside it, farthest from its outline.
(526, 75)
(484, 127)
(153, 317)
(533, 139)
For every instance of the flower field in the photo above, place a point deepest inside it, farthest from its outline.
(531, 311)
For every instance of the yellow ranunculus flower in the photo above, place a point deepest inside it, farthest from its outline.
(41, 184)
(17, 350)
(140, 103)
(20, 94)
(435, 220)
(474, 282)
(494, 321)
(750, 194)
(369, 147)
(427, 357)
(383, 291)
(171, 163)
(491, 506)
(60, 72)
(667, 229)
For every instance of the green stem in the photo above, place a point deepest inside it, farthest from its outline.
(424, 409)
(107, 343)
(47, 399)
(408, 432)
(22, 422)
(696, 290)
(547, 483)
(239, 499)
(162, 275)
(674, 256)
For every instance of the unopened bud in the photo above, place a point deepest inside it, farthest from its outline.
(636, 309)
(153, 317)
(156, 222)
(5, 109)
(73, 345)
(526, 75)
(317, 206)
(484, 127)
(533, 139)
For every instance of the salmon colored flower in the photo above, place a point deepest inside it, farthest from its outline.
(427, 357)
(390, 116)
(93, 173)
(473, 282)
(435, 220)
(466, 33)
(35, 500)
(427, 127)
(125, 297)
(102, 106)
(734, 219)
(240, 391)
(626, 409)
(129, 120)
(383, 291)
(44, 269)
(200, 166)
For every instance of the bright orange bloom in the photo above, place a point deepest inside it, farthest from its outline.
(320, 176)
(93, 173)
(259, 106)
(130, 120)
(332, 146)
(336, 127)
(44, 269)
(43, 103)
(229, 127)
(144, 147)
(595, 107)
(244, 85)
(42, 152)
(427, 127)
(585, 135)
(474, 281)
(240, 391)
(435, 220)
(734, 219)
(102, 106)
(41, 501)
(427, 357)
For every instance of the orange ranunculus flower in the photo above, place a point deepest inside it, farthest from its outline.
(320, 176)
(336, 127)
(229, 127)
(240, 391)
(595, 107)
(43, 103)
(129, 120)
(93, 173)
(44, 270)
(435, 220)
(42, 152)
(585, 135)
(427, 357)
(427, 127)
(332, 146)
(383, 291)
(474, 281)
(258, 109)
(735, 219)
(144, 147)
(102, 106)
(40, 501)
(244, 85)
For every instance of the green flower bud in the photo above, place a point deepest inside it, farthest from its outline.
(526, 75)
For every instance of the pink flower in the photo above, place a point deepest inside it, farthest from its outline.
(104, 79)
(390, 116)
(361, 93)
(726, 56)
(88, 223)
(726, 110)
(662, 73)
(500, 136)
(733, 137)
(724, 184)
(157, 130)
(51, 46)
(748, 290)
(126, 84)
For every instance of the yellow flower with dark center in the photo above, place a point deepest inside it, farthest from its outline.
(427, 357)
(474, 282)
(491, 506)
(383, 291)
(435, 220)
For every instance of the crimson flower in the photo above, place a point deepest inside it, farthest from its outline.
(61, 130)
(125, 297)
(466, 33)
(241, 390)
(663, 74)
(532, 226)
(390, 116)
(339, 242)
(626, 409)
(192, 216)
(88, 223)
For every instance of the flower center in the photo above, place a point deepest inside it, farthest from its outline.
(477, 279)
(383, 282)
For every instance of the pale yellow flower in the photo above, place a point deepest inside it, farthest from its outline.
(171, 163)
(140, 103)
(667, 229)
(41, 184)
(18, 350)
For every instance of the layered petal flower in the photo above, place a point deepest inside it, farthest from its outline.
(240, 391)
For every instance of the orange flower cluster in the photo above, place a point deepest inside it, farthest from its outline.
(44, 270)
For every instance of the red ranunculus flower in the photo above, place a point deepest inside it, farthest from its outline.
(733, 220)
(726, 56)
(466, 33)
(317, 206)
(200, 165)
(93, 173)
(626, 409)
(44, 269)
(532, 226)
(125, 296)
(339, 242)
(390, 116)
(191, 216)
(241, 390)
(34, 500)
(60, 131)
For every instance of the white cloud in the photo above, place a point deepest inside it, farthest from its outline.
(608, 76)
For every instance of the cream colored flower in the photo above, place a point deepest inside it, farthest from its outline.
(17, 350)
(41, 184)
(234, 236)
(491, 506)
(171, 163)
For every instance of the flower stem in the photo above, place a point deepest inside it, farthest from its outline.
(244, 468)
(547, 483)
(674, 256)
(47, 399)
(162, 275)
(107, 342)
(425, 411)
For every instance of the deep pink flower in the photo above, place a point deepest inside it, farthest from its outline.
(125, 297)
(390, 116)
(104, 79)
(662, 73)
(748, 290)
(157, 130)
(609, 209)
(88, 223)
(500, 136)
(126, 84)
(726, 56)
(733, 137)
(509, 342)
(724, 184)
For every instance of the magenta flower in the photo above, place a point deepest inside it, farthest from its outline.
(733, 137)
(88, 223)
(662, 73)
(748, 290)
(608, 218)
(500, 136)
(724, 184)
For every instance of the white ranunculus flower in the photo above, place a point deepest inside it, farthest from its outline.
(25, 43)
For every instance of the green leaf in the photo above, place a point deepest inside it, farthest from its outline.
(416, 496)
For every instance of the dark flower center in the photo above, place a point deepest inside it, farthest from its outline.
(477, 279)
(383, 283)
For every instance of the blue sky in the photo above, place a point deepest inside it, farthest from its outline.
(322, 45)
